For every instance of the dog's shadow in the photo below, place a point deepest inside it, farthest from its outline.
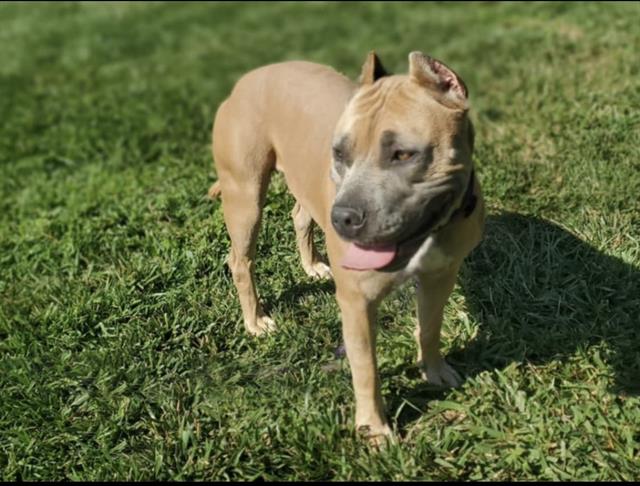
(541, 293)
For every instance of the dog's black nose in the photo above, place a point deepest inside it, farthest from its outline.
(347, 221)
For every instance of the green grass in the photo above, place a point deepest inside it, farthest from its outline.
(122, 352)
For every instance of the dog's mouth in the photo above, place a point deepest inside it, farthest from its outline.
(391, 256)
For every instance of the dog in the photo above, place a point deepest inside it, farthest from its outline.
(384, 167)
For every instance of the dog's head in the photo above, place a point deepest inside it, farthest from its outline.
(401, 159)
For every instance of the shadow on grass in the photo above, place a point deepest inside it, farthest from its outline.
(540, 293)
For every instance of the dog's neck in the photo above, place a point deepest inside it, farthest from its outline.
(469, 199)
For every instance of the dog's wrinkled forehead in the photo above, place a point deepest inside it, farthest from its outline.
(394, 109)
(425, 105)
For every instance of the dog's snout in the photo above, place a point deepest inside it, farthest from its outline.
(347, 221)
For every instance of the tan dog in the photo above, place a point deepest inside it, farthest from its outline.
(383, 167)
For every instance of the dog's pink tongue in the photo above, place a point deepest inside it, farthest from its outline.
(361, 258)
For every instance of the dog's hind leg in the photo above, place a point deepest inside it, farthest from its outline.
(313, 264)
(242, 202)
(244, 170)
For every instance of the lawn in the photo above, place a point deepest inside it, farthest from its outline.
(122, 350)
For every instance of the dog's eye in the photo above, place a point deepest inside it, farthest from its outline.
(403, 155)
(338, 156)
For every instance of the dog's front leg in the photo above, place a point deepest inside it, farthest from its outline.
(359, 333)
(432, 295)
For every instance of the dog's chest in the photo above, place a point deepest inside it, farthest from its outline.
(431, 257)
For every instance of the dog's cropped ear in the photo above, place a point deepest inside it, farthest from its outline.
(441, 80)
(372, 69)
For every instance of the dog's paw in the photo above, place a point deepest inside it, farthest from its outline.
(441, 374)
(262, 325)
(318, 270)
(376, 437)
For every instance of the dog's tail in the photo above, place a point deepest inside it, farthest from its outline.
(214, 191)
